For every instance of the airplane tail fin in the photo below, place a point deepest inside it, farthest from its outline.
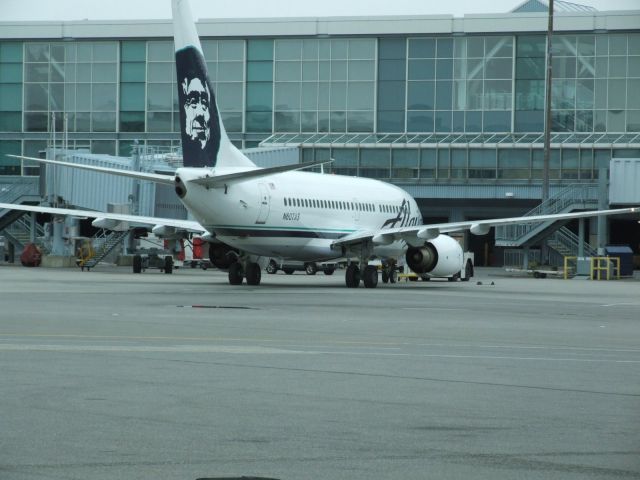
(204, 140)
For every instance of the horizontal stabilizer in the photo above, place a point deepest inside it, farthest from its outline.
(221, 180)
(153, 177)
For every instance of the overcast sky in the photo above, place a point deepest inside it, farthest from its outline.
(26, 10)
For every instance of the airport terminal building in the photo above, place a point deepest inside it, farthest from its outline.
(449, 108)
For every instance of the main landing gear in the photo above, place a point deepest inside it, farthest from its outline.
(369, 276)
(240, 270)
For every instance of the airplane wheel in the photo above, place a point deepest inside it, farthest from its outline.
(235, 274)
(253, 274)
(168, 264)
(393, 277)
(272, 267)
(385, 276)
(137, 264)
(468, 271)
(288, 271)
(370, 276)
(311, 268)
(352, 276)
(329, 271)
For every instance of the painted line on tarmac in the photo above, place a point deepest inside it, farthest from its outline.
(278, 351)
(352, 343)
(130, 348)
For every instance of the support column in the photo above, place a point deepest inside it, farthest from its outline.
(603, 204)
(57, 247)
(581, 237)
(32, 227)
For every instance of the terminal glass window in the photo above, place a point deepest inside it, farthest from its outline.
(71, 86)
(11, 54)
(324, 85)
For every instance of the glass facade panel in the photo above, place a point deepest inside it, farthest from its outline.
(421, 95)
(360, 95)
(361, 70)
(260, 97)
(288, 71)
(230, 50)
(360, 121)
(422, 48)
(404, 163)
(11, 97)
(420, 121)
(362, 48)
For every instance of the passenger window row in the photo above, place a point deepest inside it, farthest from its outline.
(338, 205)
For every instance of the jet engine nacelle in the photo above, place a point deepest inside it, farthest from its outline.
(440, 257)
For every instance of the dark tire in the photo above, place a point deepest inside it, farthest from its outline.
(253, 274)
(168, 264)
(288, 271)
(352, 276)
(236, 275)
(370, 276)
(272, 268)
(329, 271)
(385, 275)
(137, 264)
(311, 268)
(468, 271)
(393, 276)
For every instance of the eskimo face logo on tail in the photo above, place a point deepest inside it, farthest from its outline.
(196, 107)
(199, 122)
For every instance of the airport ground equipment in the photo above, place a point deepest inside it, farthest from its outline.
(142, 262)
(311, 268)
(88, 257)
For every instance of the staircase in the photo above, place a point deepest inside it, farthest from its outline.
(560, 239)
(108, 243)
(576, 196)
(567, 244)
(24, 190)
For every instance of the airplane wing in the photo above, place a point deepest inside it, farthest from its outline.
(416, 235)
(187, 225)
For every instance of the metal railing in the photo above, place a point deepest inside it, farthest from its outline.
(574, 195)
(571, 243)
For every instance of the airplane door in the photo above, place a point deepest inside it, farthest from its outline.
(355, 211)
(264, 204)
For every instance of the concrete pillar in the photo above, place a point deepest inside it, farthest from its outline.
(32, 227)
(603, 204)
(581, 237)
(57, 247)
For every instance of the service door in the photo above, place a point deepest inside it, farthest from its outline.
(263, 214)
(355, 210)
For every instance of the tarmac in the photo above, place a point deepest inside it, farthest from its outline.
(106, 374)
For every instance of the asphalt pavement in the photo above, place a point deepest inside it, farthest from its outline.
(106, 374)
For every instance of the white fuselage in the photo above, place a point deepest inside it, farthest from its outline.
(297, 215)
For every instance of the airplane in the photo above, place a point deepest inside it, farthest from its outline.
(249, 214)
